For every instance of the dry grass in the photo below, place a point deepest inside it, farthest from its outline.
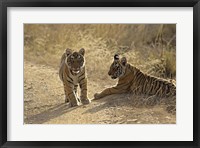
(141, 44)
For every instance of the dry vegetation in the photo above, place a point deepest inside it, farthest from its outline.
(152, 48)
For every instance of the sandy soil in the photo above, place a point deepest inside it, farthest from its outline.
(44, 103)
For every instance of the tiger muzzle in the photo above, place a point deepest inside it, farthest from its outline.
(76, 70)
(113, 77)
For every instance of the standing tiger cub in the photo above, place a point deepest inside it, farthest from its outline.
(73, 74)
(131, 79)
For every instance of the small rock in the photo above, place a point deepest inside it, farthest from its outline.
(30, 87)
(131, 121)
(167, 117)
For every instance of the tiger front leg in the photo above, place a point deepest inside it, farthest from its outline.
(66, 98)
(84, 97)
(109, 91)
(71, 96)
(76, 92)
(102, 94)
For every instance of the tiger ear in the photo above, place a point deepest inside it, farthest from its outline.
(68, 52)
(116, 57)
(82, 51)
(124, 61)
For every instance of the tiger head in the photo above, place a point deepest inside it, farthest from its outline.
(118, 67)
(75, 60)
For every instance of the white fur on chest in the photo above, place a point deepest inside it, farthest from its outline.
(74, 78)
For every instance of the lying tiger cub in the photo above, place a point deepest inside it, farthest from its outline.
(72, 73)
(131, 79)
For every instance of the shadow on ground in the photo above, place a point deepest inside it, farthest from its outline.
(49, 114)
(116, 100)
(129, 100)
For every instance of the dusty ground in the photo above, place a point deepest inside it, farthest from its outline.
(44, 103)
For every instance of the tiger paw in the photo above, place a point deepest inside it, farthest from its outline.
(74, 104)
(85, 101)
(97, 96)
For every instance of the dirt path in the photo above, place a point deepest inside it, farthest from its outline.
(44, 103)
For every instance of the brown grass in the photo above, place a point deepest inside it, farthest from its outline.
(141, 44)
